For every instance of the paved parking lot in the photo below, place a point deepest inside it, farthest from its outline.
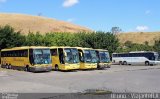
(115, 79)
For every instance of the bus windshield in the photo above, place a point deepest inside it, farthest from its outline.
(41, 56)
(72, 55)
(90, 56)
(156, 57)
(104, 57)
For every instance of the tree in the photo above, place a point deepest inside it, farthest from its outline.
(35, 39)
(128, 44)
(146, 43)
(9, 38)
(157, 45)
(99, 40)
(116, 30)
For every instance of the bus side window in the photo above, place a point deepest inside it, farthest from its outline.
(14, 54)
(2, 54)
(31, 59)
(81, 57)
(97, 55)
(54, 52)
(61, 55)
(25, 53)
(20, 53)
(8, 54)
(5, 54)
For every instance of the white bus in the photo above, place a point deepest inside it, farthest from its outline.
(136, 58)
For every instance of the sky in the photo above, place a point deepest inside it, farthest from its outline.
(98, 15)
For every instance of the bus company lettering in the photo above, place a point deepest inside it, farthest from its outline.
(15, 59)
(145, 96)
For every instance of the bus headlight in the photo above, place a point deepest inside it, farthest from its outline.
(66, 64)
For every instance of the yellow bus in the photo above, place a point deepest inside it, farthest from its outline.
(0, 57)
(65, 58)
(103, 59)
(30, 59)
(88, 58)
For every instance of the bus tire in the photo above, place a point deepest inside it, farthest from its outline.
(56, 68)
(147, 63)
(7, 66)
(99, 67)
(27, 69)
(120, 63)
(151, 64)
(124, 63)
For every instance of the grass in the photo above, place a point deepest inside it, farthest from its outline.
(26, 23)
(139, 37)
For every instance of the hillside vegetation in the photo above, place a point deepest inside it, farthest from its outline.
(26, 23)
(139, 37)
(98, 40)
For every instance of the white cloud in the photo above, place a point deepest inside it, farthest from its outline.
(71, 20)
(142, 28)
(2, 1)
(69, 3)
(147, 11)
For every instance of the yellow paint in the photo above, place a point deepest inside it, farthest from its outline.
(21, 61)
(84, 65)
(66, 66)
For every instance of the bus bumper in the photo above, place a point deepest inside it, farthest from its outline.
(88, 66)
(40, 68)
(104, 65)
(68, 67)
(155, 62)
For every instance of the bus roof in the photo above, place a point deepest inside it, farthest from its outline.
(68, 47)
(101, 50)
(84, 48)
(142, 52)
(24, 47)
(137, 52)
(60, 47)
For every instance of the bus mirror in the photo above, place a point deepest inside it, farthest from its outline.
(81, 54)
(65, 54)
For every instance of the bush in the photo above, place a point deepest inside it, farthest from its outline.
(9, 38)
(157, 45)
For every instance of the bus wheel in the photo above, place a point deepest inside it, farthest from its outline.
(120, 63)
(147, 63)
(151, 65)
(124, 63)
(9, 66)
(6, 66)
(27, 69)
(98, 67)
(56, 68)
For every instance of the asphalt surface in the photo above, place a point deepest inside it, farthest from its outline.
(116, 79)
